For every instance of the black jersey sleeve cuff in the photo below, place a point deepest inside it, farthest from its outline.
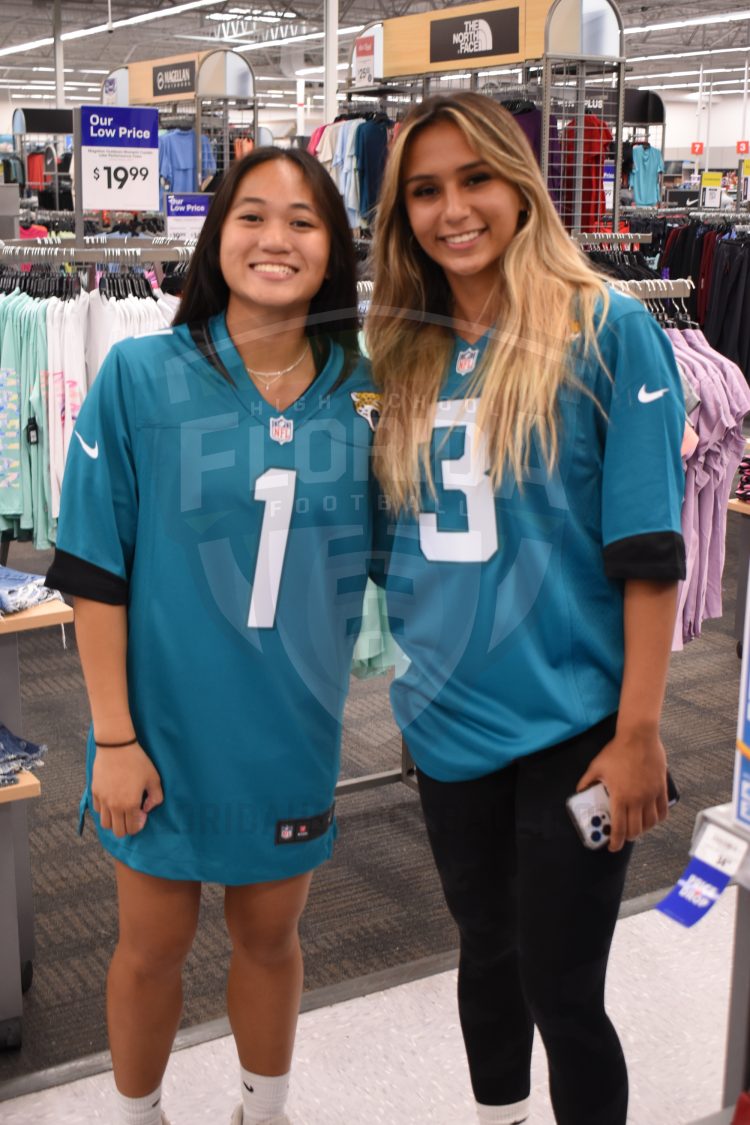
(84, 580)
(658, 556)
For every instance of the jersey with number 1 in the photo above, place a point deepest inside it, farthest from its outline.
(508, 604)
(239, 536)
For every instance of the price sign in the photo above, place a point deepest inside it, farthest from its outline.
(119, 158)
(711, 189)
(186, 214)
(367, 59)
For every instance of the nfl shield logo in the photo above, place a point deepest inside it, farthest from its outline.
(287, 831)
(282, 429)
(467, 361)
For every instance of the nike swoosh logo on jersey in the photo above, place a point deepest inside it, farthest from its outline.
(91, 450)
(651, 396)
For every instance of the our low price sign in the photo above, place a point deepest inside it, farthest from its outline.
(119, 158)
(186, 214)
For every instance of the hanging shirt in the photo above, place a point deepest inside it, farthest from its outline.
(644, 178)
(596, 141)
(371, 149)
(177, 160)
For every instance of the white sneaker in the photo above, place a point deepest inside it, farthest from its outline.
(237, 1118)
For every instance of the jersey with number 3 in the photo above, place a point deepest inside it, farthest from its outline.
(238, 536)
(508, 603)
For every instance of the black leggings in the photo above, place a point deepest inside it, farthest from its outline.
(536, 911)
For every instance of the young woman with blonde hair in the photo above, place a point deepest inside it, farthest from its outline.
(529, 448)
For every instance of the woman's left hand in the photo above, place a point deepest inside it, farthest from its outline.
(633, 767)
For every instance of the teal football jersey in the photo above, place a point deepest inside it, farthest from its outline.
(240, 535)
(508, 604)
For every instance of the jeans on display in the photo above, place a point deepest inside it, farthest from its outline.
(16, 753)
(536, 912)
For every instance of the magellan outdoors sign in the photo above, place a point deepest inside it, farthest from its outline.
(474, 36)
(175, 78)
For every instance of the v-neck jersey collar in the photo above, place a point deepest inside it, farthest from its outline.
(245, 390)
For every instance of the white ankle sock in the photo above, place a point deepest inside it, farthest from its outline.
(139, 1111)
(503, 1114)
(262, 1098)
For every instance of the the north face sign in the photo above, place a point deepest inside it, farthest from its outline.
(460, 38)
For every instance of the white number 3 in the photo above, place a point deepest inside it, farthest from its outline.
(275, 488)
(467, 474)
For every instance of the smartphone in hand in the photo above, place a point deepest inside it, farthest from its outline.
(589, 811)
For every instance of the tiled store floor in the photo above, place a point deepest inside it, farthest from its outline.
(396, 1057)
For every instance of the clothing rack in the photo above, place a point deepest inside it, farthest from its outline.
(601, 238)
(716, 214)
(131, 250)
(656, 289)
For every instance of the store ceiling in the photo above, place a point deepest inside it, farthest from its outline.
(88, 58)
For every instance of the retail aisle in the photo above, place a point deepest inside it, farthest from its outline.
(395, 1057)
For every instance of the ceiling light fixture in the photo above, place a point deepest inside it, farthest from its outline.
(318, 70)
(99, 29)
(697, 21)
(685, 73)
(298, 39)
(690, 54)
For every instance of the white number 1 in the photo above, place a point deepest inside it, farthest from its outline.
(275, 488)
(467, 474)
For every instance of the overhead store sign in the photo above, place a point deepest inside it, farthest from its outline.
(696, 148)
(475, 36)
(490, 33)
(162, 80)
(119, 158)
(174, 78)
(743, 148)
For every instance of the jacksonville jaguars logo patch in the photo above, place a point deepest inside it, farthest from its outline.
(367, 405)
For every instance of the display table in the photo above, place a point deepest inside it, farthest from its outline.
(16, 907)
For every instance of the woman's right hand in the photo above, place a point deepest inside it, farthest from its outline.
(119, 779)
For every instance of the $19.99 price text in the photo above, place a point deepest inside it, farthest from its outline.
(119, 176)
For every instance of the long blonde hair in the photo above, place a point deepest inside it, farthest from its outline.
(547, 292)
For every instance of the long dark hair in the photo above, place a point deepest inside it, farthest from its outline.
(333, 309)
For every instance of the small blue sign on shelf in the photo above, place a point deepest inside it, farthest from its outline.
(186, 213)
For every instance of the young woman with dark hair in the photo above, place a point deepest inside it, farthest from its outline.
(215, 533)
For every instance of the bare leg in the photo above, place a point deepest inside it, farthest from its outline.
(158, 918)
(265, 974)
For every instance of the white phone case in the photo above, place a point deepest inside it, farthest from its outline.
(589, 812)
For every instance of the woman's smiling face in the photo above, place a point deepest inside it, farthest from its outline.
(274, 245)
(462, 213)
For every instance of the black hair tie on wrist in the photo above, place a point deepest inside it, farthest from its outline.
(115, 745)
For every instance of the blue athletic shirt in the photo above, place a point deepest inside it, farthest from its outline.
(509, 605)
(239, 538)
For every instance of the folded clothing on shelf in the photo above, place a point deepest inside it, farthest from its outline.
(18, 754)
(743, 487)
(22, 591)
